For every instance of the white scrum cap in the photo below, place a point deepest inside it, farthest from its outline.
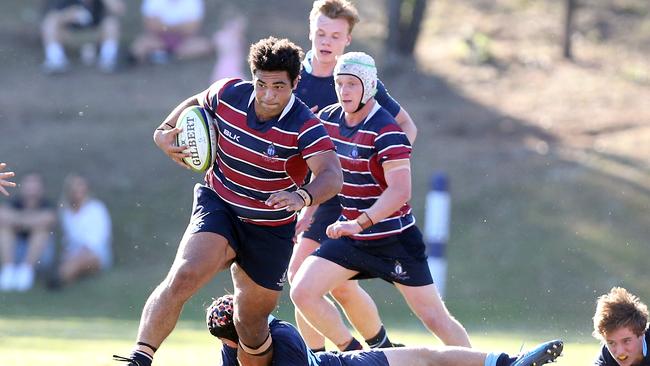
(361, 65)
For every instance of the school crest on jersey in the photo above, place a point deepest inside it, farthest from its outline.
(354, 153)
(270, 152)
(399, 273)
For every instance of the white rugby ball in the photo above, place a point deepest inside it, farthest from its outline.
(199, 136)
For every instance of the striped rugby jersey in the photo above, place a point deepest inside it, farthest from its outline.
(362, 150)
(255, 159)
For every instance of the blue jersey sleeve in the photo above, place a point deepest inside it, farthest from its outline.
(229, 356)
(385, 100)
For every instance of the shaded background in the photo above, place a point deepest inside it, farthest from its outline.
(549, 159)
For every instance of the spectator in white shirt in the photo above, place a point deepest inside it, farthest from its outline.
(86, 226)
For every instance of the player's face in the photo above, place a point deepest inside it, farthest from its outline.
(329, 37)
(272, 92)
(625, 346)
(349, 91)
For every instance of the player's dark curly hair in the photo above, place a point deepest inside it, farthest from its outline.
(273, 54)
(219, 318)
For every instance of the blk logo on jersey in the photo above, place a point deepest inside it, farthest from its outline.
(231, 135)
(399, 273)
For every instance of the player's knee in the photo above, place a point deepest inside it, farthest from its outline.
(436, 322)
(183, 282)
(346, 293)
(301, 295)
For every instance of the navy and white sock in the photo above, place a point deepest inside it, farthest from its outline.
(353, 346)
(143, 358)
(380, 340)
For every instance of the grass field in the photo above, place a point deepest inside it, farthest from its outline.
(92, 341)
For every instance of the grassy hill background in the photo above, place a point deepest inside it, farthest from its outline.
(549, 161)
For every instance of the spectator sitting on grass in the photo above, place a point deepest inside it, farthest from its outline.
(86, 228)
(61, 15)
(26, 237)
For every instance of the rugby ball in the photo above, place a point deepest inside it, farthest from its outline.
(199, 136)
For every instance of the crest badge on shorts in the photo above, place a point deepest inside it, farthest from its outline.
(399, 273)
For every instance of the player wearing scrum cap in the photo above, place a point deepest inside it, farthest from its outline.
(331, 23)
(376, 236)
(621, 324)
(292, 350)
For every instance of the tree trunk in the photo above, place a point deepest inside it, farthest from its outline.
(567, 45)
(404, 25)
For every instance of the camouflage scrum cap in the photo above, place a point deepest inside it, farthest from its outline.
(219, 318)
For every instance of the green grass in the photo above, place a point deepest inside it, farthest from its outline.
(92, 341)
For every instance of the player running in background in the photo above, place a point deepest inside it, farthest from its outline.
(330, 31)
(376, 236)
(245, 214)
(621, 324)
(291, 350)
(4, 182)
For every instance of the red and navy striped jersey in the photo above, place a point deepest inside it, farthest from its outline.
(256, 159)
(320, 91)
(362, 150)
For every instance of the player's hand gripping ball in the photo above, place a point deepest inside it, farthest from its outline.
(199, 136)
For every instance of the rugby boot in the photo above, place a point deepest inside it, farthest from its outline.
(131, 361)
(542, 354)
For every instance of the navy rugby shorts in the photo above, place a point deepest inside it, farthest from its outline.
(326, 214)
(399, 258)
(263, 252)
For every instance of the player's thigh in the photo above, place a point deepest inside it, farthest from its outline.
(412, 356)
(423, 300)
(203, 254)
(319, 276)
(301, 251)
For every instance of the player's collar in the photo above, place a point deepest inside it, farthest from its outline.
(271, 318)
(286, 109)
(645, 348)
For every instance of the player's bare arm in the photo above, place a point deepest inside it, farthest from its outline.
(4, 182)
(405, 122)
(165, 135)
(397, 193)
(305, 219)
